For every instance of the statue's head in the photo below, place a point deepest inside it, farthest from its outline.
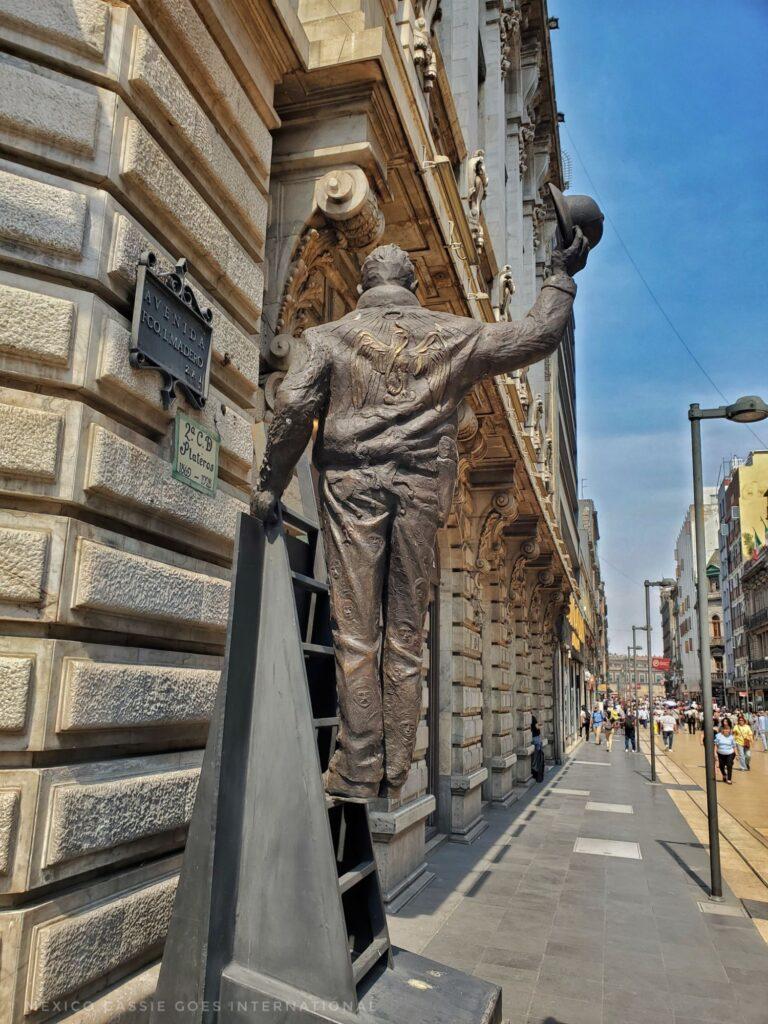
(388, 264)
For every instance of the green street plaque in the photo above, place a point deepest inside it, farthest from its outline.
(196, 455)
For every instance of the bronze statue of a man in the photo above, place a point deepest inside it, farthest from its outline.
(384, 384)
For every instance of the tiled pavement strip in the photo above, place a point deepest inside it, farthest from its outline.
(578, 938)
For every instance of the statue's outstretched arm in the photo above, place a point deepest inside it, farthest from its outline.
(301, 397)
(504, 347)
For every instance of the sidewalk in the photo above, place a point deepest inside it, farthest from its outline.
(592, 937)
(742, 816)
(747, 798)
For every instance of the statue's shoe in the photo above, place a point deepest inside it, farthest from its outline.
(336, 785)
(390, 791)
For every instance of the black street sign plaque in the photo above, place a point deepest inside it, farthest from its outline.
(171, 332)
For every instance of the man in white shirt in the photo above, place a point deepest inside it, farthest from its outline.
(668, 726)
(761, 723)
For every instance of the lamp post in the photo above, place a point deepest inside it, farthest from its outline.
(749, 409)
(648, 584)
(631, 650)
(635, 648)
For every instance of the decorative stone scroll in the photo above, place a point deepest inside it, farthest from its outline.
(490, 548)
(353, 222)
(348, 202)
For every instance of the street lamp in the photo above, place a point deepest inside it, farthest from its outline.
(749, 409)
(648, 585)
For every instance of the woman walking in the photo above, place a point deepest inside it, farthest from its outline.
(609, 728)
(725, 745)
(743, 736)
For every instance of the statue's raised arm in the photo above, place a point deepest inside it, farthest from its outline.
(511, 345)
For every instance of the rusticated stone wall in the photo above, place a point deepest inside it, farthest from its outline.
(124, 126)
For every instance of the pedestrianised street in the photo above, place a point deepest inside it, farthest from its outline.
(587, 902)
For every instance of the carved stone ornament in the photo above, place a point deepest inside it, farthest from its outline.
(546, 468)
(423, 54)
(525, 139)
(354, 222)
(348, 202)
(533, 423)
(477, 189)
(506, 284)
(538, 216)
(490, 548)
(509, 30)
(305, 283)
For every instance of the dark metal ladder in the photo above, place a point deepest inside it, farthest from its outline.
(367, 935)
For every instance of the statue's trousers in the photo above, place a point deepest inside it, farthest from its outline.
(379, 529)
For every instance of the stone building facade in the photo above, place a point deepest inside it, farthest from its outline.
(755, 583)
(686, 577)
(743, 510)
(621, 676)
(272, 144)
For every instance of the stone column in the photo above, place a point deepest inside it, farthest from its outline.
(500, 755)
(467, 770)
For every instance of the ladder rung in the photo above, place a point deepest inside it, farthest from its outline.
(350, 878)
(370, 956)
(296, 519)
(325, 723)
(309, 583)
(319, 649)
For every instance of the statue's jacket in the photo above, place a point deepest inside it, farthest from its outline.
(384, 384)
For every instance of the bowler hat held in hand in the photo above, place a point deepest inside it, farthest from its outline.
(577, 211)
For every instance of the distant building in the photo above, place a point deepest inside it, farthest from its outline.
(755, 586)
(670, 633)
(743, 512)
(592, 594)
(689, 680)
(621, 677)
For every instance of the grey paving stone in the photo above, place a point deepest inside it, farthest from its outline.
(512, 959)
(463, 956)
(546, 1009)
(588, 970)
(571, 951)
(721, 1011)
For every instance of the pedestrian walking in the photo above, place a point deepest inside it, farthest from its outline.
(630, 738)
(743, 735)
(725, 746)
(668, 726)
(537, 761)
(609, 728)
(584, 720)
(690, 719)
(762, 728)
(642, 716)
(597, 724)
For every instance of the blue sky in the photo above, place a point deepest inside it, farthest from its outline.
(665, 103)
